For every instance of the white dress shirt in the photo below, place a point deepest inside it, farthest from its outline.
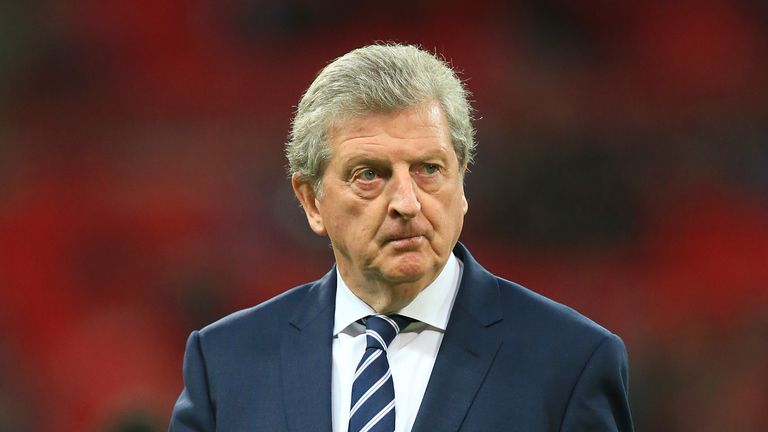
(411, 355)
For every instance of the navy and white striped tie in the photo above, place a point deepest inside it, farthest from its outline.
(373, 391)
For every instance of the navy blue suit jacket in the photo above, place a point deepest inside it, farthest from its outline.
(510, 360)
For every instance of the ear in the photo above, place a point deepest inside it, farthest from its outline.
(464, 203)
(309, 202)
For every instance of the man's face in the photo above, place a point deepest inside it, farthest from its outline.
(392, 198)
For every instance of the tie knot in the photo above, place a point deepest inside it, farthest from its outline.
(380, 330)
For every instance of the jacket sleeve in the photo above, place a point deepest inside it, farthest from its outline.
(599, 400)
(194, 411)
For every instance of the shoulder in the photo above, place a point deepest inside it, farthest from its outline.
(549, 351)
(551, 331)
(259, 315)
(527, 306)
(262, 325)
(521, 311)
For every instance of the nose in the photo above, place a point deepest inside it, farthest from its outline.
(404, 202)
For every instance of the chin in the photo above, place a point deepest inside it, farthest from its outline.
(408, 271)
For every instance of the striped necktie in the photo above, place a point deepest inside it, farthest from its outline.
(373, 391)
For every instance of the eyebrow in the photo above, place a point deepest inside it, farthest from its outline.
(374, 157)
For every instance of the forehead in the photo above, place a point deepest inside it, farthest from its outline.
(419, 129)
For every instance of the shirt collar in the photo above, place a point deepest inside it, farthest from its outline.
(431, 306)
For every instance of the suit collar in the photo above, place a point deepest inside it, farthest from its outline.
(306, 357)
(320, 296)
(479, 291)
(467, 351)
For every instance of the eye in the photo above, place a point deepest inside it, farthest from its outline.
(431, 168)
(367, 175)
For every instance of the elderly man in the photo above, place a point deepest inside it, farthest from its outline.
(407, 332)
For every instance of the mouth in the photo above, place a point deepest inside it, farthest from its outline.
(406, 242)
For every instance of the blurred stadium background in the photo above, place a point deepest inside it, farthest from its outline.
(622, 169)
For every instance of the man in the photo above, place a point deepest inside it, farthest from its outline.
(408, 331)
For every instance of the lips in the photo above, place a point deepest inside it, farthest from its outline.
(406, 241)
(402, 236)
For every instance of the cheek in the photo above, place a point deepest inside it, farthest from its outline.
(447, 216)
(353, 221)
(446, 206)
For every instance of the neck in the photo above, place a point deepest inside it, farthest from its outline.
(387, 300)
(382, 296)
(383, 293)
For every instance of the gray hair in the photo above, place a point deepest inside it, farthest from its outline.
(381, 78)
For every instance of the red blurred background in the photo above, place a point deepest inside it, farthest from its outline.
(622, 169)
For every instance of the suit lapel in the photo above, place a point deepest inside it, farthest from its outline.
(467, 351)
(306, 359)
